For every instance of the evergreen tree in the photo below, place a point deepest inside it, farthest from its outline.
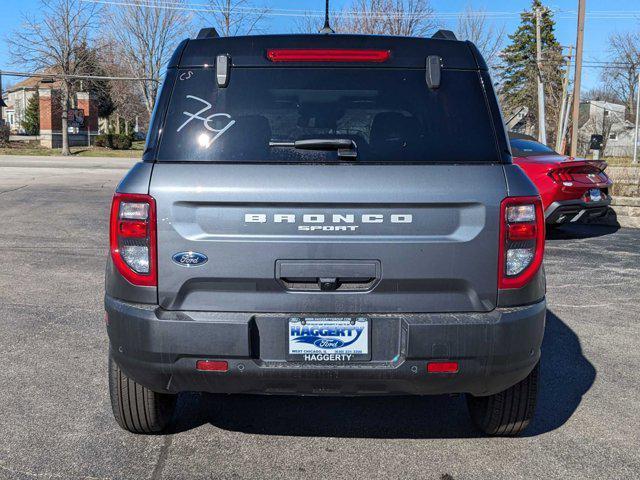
(100, 88)
(518, 72)
(31, 122)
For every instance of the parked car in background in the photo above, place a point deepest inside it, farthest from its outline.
(571, 189)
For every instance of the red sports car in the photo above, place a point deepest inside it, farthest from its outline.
(571, 189)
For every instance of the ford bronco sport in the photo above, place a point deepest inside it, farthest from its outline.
(326, 215)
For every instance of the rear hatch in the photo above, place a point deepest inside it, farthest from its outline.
(410, 224)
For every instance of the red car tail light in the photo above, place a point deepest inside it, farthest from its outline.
(560, 175)
(327, 55)
(568, 171)
(521, 241)
(132, 237)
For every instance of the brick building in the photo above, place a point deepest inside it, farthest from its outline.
(83, 116)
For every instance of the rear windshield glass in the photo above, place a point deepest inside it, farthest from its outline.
(390, 114)
(529, 148)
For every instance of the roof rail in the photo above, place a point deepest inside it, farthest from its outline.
(444, 35)
(209, 32)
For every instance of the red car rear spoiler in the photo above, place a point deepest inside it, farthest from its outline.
(568, 164)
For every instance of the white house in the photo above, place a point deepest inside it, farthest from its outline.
(600, 117)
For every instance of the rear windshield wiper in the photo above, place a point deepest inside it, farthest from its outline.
(346, 148)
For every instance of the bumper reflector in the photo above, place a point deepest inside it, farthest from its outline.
(212, 365)
(442, 367)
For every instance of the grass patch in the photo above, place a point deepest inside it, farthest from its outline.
(35, 149)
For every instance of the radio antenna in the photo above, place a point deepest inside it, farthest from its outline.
(327, 28)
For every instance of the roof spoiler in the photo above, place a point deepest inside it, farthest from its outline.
(444, 35)
(209, 32)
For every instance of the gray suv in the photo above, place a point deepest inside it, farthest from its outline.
(326, 215)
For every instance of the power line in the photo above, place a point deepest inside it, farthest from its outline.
(9, 73)
(207, 8)
(585, 64)
(290, 12)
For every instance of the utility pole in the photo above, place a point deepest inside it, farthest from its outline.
(577, 78)
(565, 123)
(565, 86)
(542, 129)
(635, 137)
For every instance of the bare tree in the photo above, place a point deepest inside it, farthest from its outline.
(312, 22)
(602, 93)
(145, 36)
(473, 25)
(366, 16)
(7, 84)
(125, 94)
(236, 17)
(55, 41)
(412, 18)
(389, 17)
(378, 17)
(621, 77)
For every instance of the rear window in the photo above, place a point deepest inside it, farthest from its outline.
(529, 148)
(390, 114)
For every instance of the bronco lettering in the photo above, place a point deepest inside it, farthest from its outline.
(322, 218)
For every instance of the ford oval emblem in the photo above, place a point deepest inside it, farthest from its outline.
(190, 259)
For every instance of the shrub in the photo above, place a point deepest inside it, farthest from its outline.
(4, 135)
(101, 141)
(114, 141)
(121, 142)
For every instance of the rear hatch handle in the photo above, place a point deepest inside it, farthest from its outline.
(328, 275)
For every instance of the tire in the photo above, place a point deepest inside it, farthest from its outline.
(136, 408)
(509, 412)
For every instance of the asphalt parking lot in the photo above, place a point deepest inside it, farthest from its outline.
(56, 417)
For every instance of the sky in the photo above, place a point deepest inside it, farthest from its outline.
(604, 17)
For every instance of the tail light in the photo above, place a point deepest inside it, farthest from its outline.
(132, 237)
(565, 172)
(521, 240)
(560, 175)
(327, 55)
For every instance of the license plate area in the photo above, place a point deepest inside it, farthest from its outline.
(328, 339)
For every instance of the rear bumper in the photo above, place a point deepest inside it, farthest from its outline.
(159, 350)
(569, 211)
